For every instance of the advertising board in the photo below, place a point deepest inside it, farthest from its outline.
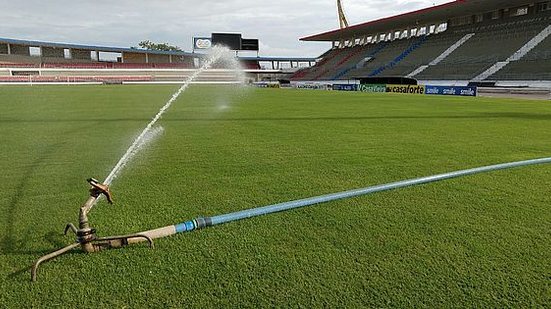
(230, 40)
(249, 44)
(372, 88)
(313, 86)
(451, 90)
(202, 43)
(345, 87)
(267, 85)
(406, 89)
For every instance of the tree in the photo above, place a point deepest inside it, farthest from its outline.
(147, 44)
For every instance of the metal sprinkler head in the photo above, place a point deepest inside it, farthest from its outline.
(86, 236)
(98, 188)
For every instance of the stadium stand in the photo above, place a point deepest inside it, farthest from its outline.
(23, 58)
(492, 42)
(535, 65)
(329, 58)
(358, 60)
(391, 57)
(433, 49)
(508, 41)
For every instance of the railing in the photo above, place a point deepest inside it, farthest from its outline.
(71, 79)
(98, 65)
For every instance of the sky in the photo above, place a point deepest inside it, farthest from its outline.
(123, 23)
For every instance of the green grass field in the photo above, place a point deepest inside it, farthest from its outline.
(479, 241)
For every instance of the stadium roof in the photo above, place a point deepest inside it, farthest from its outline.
(93, 47)
(434, 14)
(132, 50)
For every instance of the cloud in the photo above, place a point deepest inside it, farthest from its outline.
(278, 24)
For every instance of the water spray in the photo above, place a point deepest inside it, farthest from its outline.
(86, 237)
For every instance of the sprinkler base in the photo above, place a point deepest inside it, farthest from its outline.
(89, 243)
(86, 235)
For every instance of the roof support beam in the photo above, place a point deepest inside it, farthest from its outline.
(343, 22)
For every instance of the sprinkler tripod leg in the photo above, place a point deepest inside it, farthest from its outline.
(95, 245)
(49, 257)
(71, 227)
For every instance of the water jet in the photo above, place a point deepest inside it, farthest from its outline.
(86, 236)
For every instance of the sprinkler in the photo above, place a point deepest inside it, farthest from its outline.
(86, 236)
(89, 242)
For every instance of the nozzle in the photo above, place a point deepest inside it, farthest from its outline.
(99, 188)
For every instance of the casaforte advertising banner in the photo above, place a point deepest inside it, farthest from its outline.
(202, 43)
(451, 90)
(406, 89)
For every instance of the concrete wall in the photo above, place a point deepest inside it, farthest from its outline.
(52, 52)
(133, 58)
(20, 50)
(36, 60)
(57, 60)
(158, 58)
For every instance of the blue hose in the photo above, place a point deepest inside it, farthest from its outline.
(253, 212)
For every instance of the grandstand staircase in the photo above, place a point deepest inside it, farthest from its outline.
(442, 56)
(516, 56)
(401, 57)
